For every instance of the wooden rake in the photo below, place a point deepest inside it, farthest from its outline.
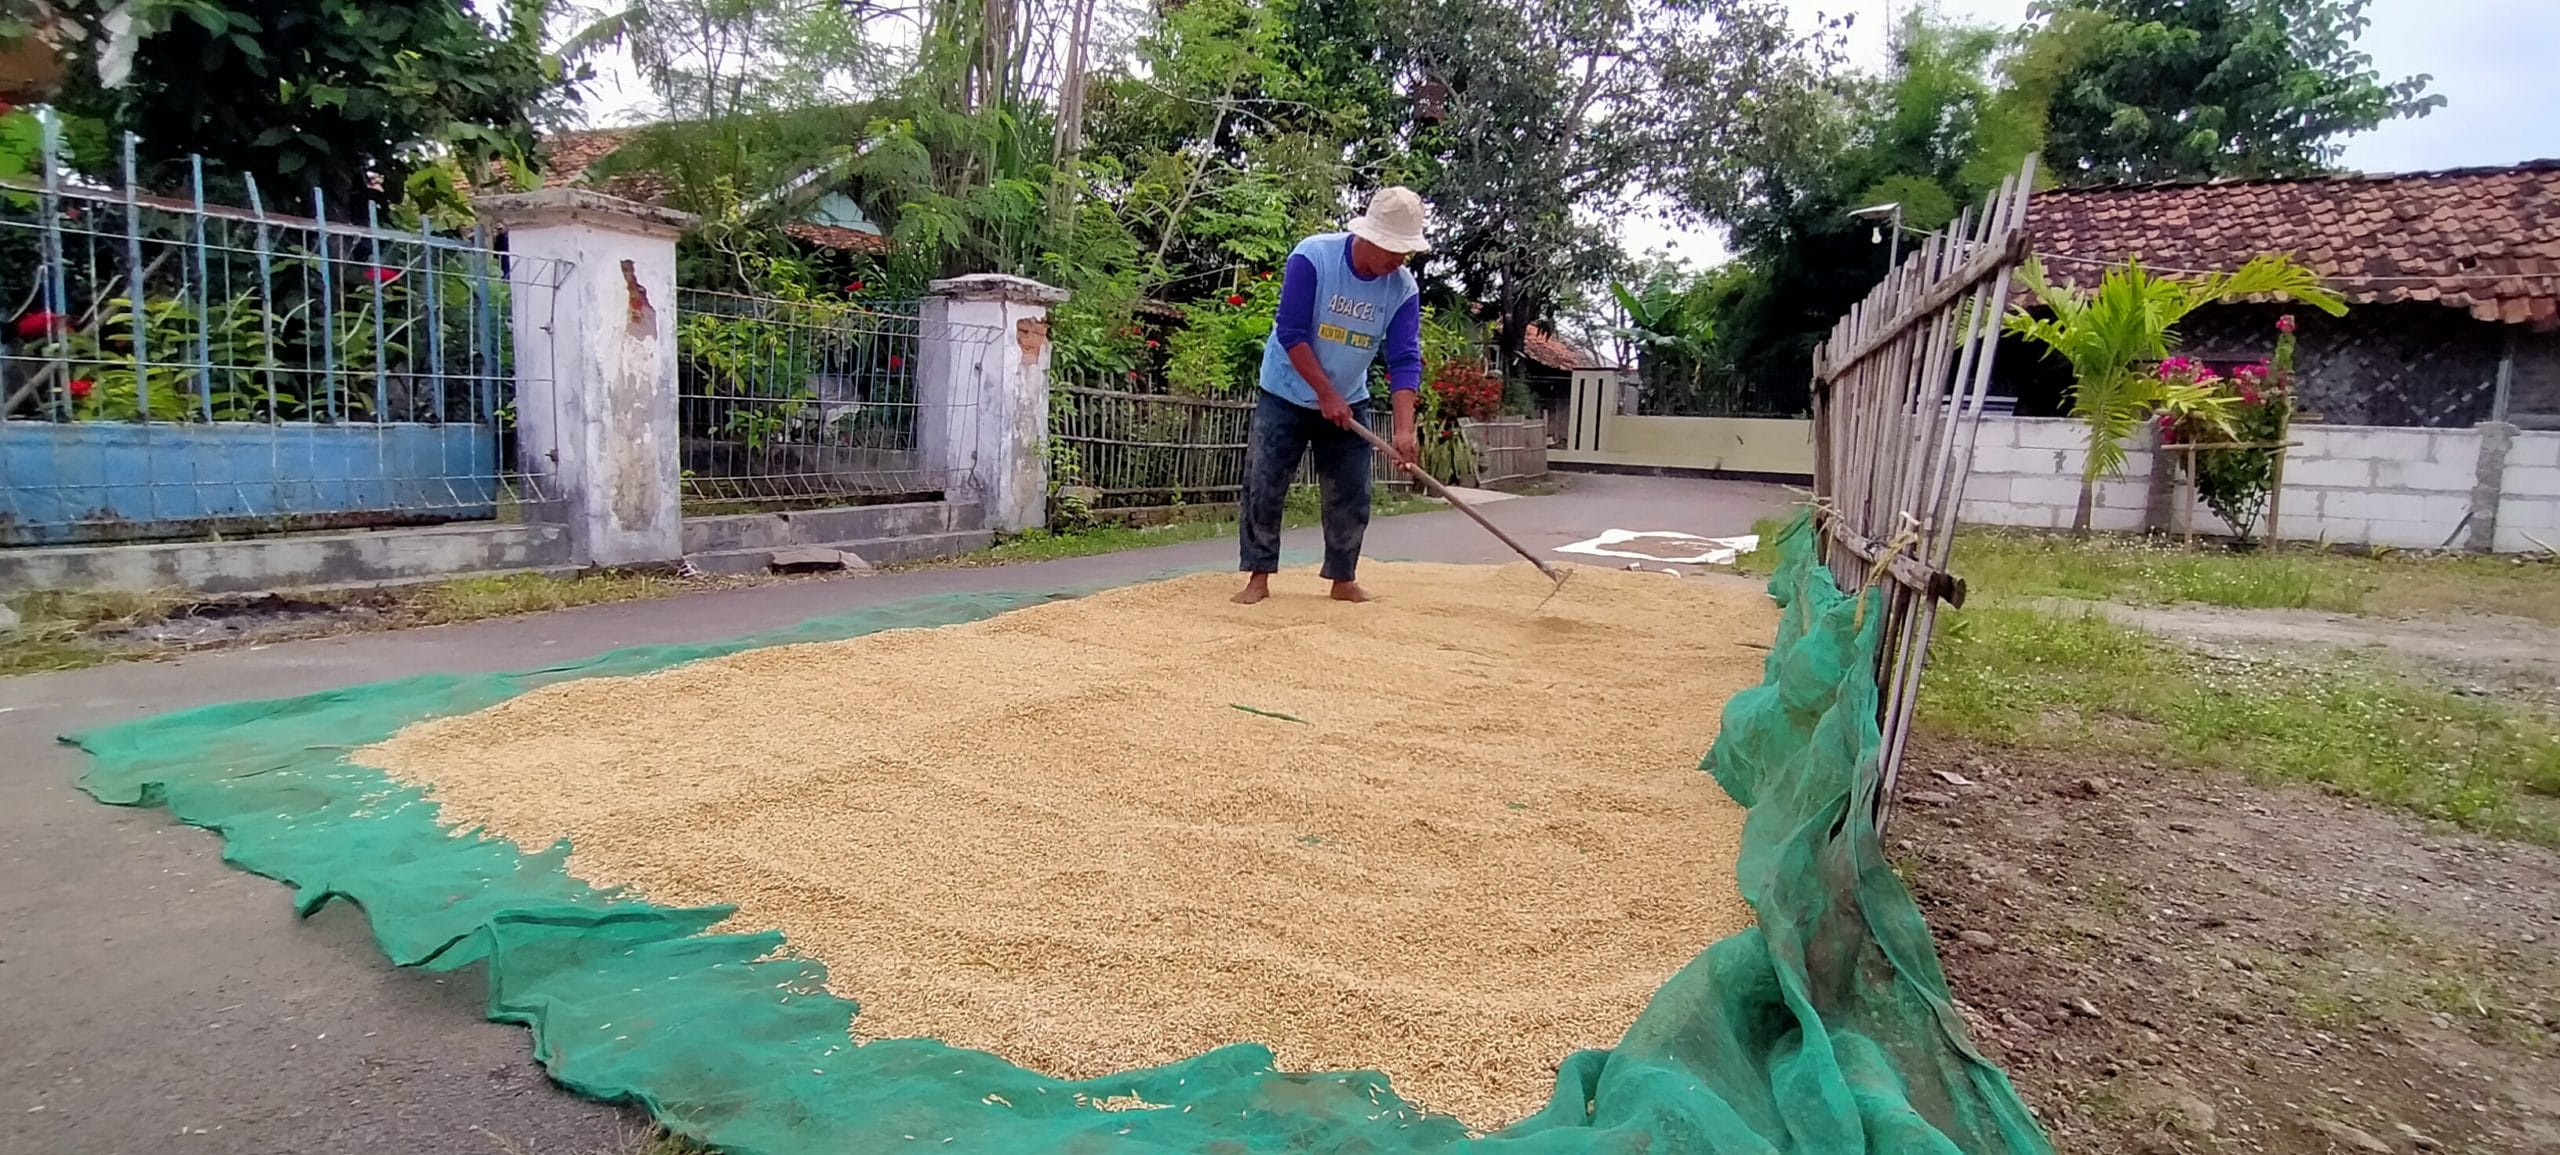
(1440, 491)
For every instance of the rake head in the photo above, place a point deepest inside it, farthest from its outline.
(1554, 575)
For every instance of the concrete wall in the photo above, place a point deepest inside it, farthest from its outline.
(1723, 444)
(2345, 484)
(315, 560)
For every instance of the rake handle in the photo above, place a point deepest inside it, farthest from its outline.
(1442, 492)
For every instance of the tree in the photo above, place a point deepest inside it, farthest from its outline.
(1933, 134)
(2111, 335)
(2155, 90)
(348, 96)
(1558, 113)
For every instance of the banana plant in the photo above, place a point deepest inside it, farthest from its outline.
(2112, 335)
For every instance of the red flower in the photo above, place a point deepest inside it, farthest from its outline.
(897, 362)
(1266, 276)
(855, 287)
(1133, 374)
(1235, 298)
(80, 387)
(2284, 324)
(39, 323)
(381, 276)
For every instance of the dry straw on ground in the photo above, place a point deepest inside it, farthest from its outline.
(1477, 841)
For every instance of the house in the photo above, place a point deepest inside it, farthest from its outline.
(2452, 280)
(820, 216)
(1547, 364)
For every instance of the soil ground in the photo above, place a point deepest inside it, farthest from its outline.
(2167, 961)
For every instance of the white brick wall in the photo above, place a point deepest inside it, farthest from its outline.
(2347, 484)
(2529, 493)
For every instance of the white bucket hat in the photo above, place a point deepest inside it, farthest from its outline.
(1394, 221)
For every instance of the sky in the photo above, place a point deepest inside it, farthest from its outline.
(2496, 62)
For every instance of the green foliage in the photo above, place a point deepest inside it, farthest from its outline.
(2149, 90)
(1218, 350)
(2110, 337)
(2253, 407)
(326, 93)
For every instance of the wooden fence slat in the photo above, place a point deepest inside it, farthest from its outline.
(1898, 393)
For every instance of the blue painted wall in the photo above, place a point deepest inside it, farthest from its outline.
(115, 481)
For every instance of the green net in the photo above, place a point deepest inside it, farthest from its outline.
(1826, 1028)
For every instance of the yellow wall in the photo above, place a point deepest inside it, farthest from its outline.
(1735, 444)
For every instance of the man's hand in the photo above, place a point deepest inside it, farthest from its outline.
(1333, 407)
(1408, 450)
(1407, 439)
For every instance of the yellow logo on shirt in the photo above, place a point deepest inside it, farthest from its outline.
(1346, 336)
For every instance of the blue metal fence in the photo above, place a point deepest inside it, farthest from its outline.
(172, 368)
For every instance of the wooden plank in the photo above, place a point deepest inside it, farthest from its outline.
(1904, 568)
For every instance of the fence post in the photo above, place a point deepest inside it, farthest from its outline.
(982, 391)
(2488, 489)
(592, 301)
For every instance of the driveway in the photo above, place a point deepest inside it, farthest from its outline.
(158, 1000)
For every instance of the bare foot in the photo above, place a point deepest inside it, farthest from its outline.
(1255, 589)
(1349, 592)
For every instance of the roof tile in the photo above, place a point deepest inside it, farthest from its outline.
(2465, 237)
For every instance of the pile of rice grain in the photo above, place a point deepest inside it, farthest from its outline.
(1482, 843)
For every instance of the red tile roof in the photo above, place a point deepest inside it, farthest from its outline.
(840, 239)
(1546, 349)
(566, 155)
(2486, 240)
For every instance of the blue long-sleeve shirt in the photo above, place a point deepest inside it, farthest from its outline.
(1400, 349)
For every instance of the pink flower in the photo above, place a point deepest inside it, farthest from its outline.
(1133, 374)
(2252, 373)
(81, 387)
(39, 323)
(381, 276)
(2250, 395)
(2284, 324)
(1152, 343)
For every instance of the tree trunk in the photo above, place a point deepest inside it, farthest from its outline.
(2088, 499)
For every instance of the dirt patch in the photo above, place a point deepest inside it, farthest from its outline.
(2476, 654)
(1449, 835)
(2170, 962)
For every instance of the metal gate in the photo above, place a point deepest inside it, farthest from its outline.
(784, 402)
(1897, 397)
(172, 368)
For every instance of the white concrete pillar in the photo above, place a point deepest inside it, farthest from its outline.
(593, 301)
(982, 391)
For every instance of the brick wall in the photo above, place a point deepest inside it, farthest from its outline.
(2346, 484)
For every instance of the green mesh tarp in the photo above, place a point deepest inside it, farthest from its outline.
(1826, 1028)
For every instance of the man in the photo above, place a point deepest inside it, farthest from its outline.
(1345, 300)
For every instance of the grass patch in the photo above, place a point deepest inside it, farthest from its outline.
(69, 631)
(2014, 676)
(60, 630)
(1214, 522)
(2147, 571)
(1999, 564)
